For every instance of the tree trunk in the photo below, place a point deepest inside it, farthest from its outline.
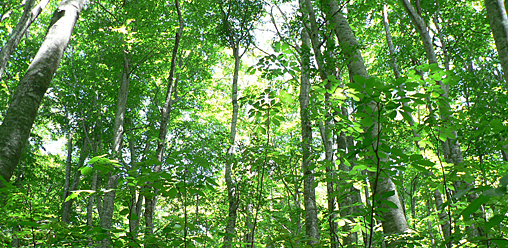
(108, 203)
(496, 12)
(443, 216)
(325, 70)
(151, 202)
(228, 174)
(394, 220)
(68, 165)
(27, 18)
(451, 148)
(137, 199)
(309, 191)
(67, 206)
(22, 111)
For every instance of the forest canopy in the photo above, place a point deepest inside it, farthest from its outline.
(253, 123)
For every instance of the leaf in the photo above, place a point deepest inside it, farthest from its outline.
(125, 211)
(463, 192)
(133, 217)
(473, 206)
(388, 194)
(500, 242)
(496, 219)
(496, 192)
(71, 196)
(390, 204)
(367, 122)
(85, 171)
(172, 193)
(496, 125)
(195, 191)
(504, 181)
(359, 80)
(29, 223)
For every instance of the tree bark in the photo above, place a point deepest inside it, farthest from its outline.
(496, 12)
(228, 174)
(394, 220)
(151, 202)
(325, 67)
(451, 148)
(67, 205)
(27, 18)
(18, 121)
(309, 191)
(108, 203)
(443, 215)
(498, 19)
(137, 199)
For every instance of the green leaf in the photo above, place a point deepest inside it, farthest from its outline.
(367, 122)
(133, 217)
(496, 125)
(85, 170)
(195, 191)
(359, 80)
(504, 181)
(390, 204)
(500, 242)
(29, 223)
(473, 206)
(172, 193)
(496, 192)
(125, 211)
(495, 220)
(388, 194)
(71, 196)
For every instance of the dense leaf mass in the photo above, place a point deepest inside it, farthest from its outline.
(254, 123)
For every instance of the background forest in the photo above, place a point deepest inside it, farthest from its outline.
(253, 123)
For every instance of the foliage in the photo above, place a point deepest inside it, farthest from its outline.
(396, 128)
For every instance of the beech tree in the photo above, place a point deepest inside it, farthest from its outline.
(18, 121)
(253, 124)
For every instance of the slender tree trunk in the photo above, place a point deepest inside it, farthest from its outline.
(496, 12)
(27, 18)
(108, 203)
(151, 202)
(451, 148)
(67, 205)
(443, 215)
(68, 165)
(309, 191)
(228, 174)
(394, 220)
(22, 111)
(137, 199)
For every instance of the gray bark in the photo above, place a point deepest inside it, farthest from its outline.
(67, 206)
(496, 12)
(325, 66)
(151, 202)
(137, 199)
(394, 220)
(108, 203)
(451, 148)
(228, 174)
(27, 18)
(68, 164)
(443, 216)
(22, 111)
(309, 191)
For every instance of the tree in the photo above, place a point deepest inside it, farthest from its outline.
(20, 117)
